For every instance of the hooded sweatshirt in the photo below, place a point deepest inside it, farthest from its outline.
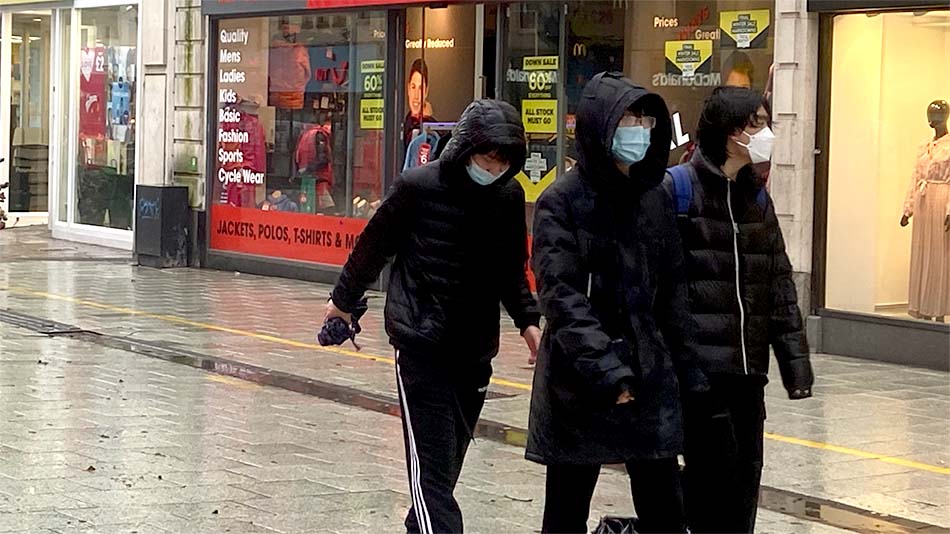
(611, 283)
(458, 249)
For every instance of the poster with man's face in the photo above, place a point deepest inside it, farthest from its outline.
(417, 92)
(440, 61)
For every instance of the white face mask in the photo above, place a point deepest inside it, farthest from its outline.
(759, 145)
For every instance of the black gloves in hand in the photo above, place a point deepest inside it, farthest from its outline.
(335, 331)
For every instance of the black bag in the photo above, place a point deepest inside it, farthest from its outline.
(616, 525)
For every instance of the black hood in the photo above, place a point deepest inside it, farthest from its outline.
(484, 124)
(605, 99)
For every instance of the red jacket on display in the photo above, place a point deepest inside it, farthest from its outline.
(289, 73)
(314, 156)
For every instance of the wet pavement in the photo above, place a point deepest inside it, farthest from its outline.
(873, 441)
(102, 440)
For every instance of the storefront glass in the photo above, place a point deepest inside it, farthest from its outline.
(680, 50)
(283, 85)
(29, 111)
(531, 81)
(298, 163)
(888, 240)
(105, 172)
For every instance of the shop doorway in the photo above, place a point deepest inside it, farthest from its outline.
(25, 81)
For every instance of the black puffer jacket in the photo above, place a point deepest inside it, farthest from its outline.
(612, 286)
(458, 248)
(733, 334)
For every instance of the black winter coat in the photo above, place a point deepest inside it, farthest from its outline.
(459, 249)
(612, 287)
(741, 292)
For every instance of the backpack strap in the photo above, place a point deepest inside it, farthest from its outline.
(682, 188)
(762, 198)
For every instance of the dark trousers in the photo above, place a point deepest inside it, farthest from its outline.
(724, 430)
(439, 412)
(654, 484)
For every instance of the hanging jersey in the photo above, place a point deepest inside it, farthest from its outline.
(92, 92)
(420, 150)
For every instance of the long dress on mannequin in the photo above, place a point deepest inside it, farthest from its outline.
(928, 202)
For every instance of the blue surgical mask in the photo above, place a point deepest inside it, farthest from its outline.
(482, 177)
(631, 144)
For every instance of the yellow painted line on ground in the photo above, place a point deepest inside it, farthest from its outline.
(859, 453)
(197, 324)
(230, 381)
(497, 381)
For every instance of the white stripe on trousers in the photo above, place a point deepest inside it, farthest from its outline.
(415, 468)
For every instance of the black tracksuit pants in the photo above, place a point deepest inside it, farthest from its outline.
(724, 430)
(654, 484)
(439, 412)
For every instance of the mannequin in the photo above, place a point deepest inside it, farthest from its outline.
(928, 198)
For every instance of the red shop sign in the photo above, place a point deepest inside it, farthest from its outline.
(292, 236)
(244, 7)
(326, 4)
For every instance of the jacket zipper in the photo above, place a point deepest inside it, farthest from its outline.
(735, 251)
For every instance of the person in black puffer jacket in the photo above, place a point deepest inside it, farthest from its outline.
(456, 232)
(742, 301)
(612, 287)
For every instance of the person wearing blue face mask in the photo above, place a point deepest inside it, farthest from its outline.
(632, 139)
(611, 284)
(456, 234)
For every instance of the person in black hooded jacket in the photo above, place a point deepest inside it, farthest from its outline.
(611, 284)
(456, 232)
(742, 300)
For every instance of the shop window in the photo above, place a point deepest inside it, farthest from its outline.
(680, 50)
(440, 77)
(105, 174)
(887, 107)
(532, 61)
(29, 112)
(298, 159)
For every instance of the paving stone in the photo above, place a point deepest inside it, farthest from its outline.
(189, 427)
(287, 489)
(33, 521)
